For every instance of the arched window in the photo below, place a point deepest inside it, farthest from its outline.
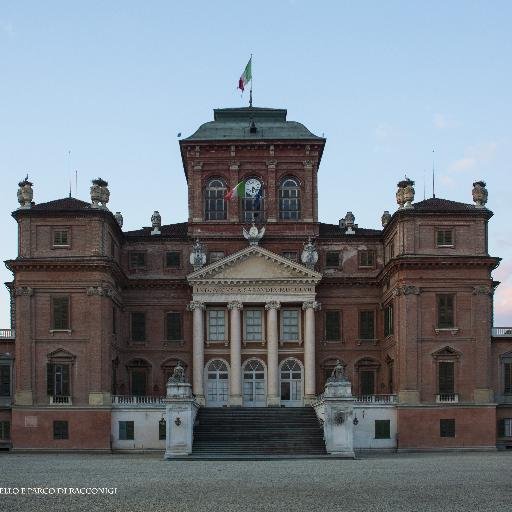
(253, 201)
(289, 199)
(214, 202)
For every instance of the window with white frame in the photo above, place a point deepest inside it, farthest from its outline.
(290, 319)
(253, 325)
(216, 325)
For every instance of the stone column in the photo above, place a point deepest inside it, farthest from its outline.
(197, 309)
(309, 349)
(273, 395)
(24, 347)
(235, 395)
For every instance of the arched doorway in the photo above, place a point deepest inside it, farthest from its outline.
(217, 383)
(254, 385)
(291, 383)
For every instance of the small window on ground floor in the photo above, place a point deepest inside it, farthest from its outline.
(5, 430)
(447, 428)
(60, 430)
(162, 424)
(505, 427)
(382, 429)
(126, 431)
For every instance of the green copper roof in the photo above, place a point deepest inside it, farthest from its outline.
(235, 124)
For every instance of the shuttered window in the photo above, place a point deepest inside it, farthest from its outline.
(382, 429)
(138, 326)
(447, 428)
(126, 431)
(507, 373)
(60, 313)
(444, 237)
(173, 327)
(5, 380)
(60, 238)
(367, 258)
(367, 325)
(445, 316)
(332, 326)
(446, 378)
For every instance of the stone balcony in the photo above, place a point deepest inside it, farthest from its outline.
(377, 399)
(7, 334)
(501, 332)
(447, 398)
(60, 400)
(137, 401)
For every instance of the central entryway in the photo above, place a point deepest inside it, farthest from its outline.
(254, 386)
(291, 383)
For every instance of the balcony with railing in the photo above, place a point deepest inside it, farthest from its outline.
(60, 400)
(377, 399)
(137, 401)
(7, 334)
(447, 398)
(501, 332)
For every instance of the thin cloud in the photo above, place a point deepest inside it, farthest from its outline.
(474, 157)
(6, 27)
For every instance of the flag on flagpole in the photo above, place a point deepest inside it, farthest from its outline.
(246, 76)
(235, 192)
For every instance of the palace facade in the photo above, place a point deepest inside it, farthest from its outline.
(257, 300)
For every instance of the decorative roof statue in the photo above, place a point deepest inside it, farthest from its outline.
(349, 223)
(405, 193)
(309, 255)
(156, 222)
(25, 193)
(338, 374)
(253, 235)
(178, 374)
(198, 255)
(479, 194)
(386, 217)
(119, 219)
(99, 193)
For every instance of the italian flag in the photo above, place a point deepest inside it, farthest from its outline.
(236, 191)
(246, 76)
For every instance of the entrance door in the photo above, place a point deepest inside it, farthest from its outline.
(254, 384)
(217, 384)
(291, 383)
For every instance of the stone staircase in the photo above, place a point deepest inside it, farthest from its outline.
(246, 431)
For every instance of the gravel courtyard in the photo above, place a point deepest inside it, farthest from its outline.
(407, 482)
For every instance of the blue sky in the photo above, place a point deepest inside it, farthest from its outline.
(115, 82)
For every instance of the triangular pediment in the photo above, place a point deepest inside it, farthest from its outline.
(446, 352)
(254, 264)
(61, 354)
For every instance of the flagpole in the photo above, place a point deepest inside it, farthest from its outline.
(250, 90)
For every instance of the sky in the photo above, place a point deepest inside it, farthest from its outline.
(104, 88)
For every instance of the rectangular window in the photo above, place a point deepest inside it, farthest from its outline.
(367, 382)
(5, 380)
(446, 376)
(60, 430)
(505, 427)
(60, 313)
(366, 325)
(289, 325)
(216, 325)
(162, 430)
(215, 256)
(444, 238)
(137, 259)
(173, 259)
(447, 428)
(332, 259)
(388, 320)
(138, 326)
(173, 326)
(253, 325)
(57, 379)
(332, 326)
(445, 316)
(138, 381)
(507, 375)
(290, 255)
(126, 431)
(382, 429)
(5, 430)
(61, 238)
(367, 258)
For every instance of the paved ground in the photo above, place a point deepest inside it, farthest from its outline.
(408, 482)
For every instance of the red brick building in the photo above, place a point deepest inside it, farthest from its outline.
(101, 316)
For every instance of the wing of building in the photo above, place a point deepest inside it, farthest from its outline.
(257, 300)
